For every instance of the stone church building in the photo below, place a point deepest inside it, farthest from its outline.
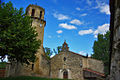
(70, 65)
(66, 64)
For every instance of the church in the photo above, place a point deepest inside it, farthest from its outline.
(66, 64)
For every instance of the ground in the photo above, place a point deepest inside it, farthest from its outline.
(28, 78)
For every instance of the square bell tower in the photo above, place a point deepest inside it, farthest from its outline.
(37, 15)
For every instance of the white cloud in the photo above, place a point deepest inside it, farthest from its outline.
(60, 16)
(66, 26)
(85, 14)
(101, 29)
(104, 8)
(49, 36)
(59, 31)
(78, 9)
(84, 32)
(76, 21)
(89, 2)
(82, 53)
(52, 55)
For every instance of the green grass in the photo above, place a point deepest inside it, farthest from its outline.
(28, 78)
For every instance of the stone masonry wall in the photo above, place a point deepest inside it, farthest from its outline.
(95, 65)
(73, 62)
(115, 40)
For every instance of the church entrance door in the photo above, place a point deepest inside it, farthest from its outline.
(65, 74)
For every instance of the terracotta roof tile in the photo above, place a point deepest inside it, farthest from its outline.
(98, 73)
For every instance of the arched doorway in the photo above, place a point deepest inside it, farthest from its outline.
(65, 74)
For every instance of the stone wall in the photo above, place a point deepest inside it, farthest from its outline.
(45, 66)
(67, 61)
(115, 40)
(17, 69)
(93, 64)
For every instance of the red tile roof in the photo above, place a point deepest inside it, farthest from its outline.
(98, 73)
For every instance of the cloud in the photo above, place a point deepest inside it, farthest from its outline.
(82, 53)
(49, 36)
(66, 26)
(104, 8)
(85, 14)
(78, 9)
(101, 29)
(59, 31)
(84, 32)
(89, 2)
(76, 21)
(52, 55)
(61, 16)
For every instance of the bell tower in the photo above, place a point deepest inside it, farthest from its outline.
(37, 15)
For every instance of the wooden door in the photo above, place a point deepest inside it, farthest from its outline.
(65, 75)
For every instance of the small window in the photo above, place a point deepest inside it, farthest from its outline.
(40, 14)
(64, 58)
(33, 12)
(32, 66)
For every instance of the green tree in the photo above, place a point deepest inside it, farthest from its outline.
(101, 50)
(48, 52)
(17, 36)
(59, 49)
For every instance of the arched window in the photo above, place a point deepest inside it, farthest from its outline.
(65, 74)
(64, 58)
(33, 12)
(40, 14)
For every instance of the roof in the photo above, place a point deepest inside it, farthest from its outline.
(98, 73)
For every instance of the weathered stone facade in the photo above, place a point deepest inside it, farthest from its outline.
(74, 64)
(115, 40)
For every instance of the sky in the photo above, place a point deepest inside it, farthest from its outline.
(76, 21)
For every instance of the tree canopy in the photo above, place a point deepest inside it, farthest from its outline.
(49, 52)
(101, 50)
(17, 36)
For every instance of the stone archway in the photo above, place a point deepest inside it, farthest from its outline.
(64, 74)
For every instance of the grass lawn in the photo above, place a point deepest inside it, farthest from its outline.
(28, 78)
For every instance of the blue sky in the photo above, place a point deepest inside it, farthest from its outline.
(76, 21)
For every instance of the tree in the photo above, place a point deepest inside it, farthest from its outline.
(101, 50)
(59, 49)
(17, 36)
(48, 52)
